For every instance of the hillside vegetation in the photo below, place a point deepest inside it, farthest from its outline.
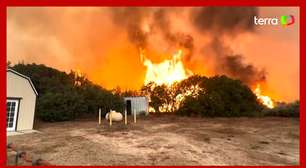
(68, 96)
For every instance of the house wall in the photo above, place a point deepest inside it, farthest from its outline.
(140, 104)
(19, 87)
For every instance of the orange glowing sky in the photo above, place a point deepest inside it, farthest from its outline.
(88, 39)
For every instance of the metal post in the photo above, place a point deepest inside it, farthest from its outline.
(99, 116)
(125, 117)
(110, 118)
(134, 116)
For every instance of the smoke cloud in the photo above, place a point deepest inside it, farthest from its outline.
(143, 23)
(227, 62)
(104, 42)
(131, 19)
(220, 20)
(234, 66)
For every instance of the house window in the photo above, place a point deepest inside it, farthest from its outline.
(11, 114)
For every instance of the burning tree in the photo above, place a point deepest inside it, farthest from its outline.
(265, 100)
(202, 96)
(174, 85)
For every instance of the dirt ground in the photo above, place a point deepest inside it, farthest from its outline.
(165, 140)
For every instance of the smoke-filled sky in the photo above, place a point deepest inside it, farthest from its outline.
(104, 43)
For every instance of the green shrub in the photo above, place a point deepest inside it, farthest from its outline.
(217, 96)
(221, 96)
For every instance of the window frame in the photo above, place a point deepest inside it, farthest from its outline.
(16, 111)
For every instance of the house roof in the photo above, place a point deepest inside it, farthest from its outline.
(23, 76)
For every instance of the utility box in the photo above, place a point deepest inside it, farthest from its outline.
(138, 104)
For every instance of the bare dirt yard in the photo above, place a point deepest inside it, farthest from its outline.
(165, 140)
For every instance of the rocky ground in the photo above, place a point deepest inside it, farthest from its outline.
(165, 140)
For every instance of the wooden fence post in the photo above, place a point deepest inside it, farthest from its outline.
(110, 117)
(99, 116)
(134, 116)
(125, 117)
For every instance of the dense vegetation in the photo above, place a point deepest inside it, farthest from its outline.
(68, 96)
(223, 97)
(217, 96)
(65, 96)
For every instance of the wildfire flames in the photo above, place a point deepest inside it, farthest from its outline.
(266, 100)
(167, 72)
(78, 73)
(172, 70)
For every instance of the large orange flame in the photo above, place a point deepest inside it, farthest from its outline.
(172, 70)
(166, 72)
(266, 100)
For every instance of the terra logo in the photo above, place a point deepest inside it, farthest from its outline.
(284, 20)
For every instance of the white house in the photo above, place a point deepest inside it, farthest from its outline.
(20, 101)
(138, 104)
